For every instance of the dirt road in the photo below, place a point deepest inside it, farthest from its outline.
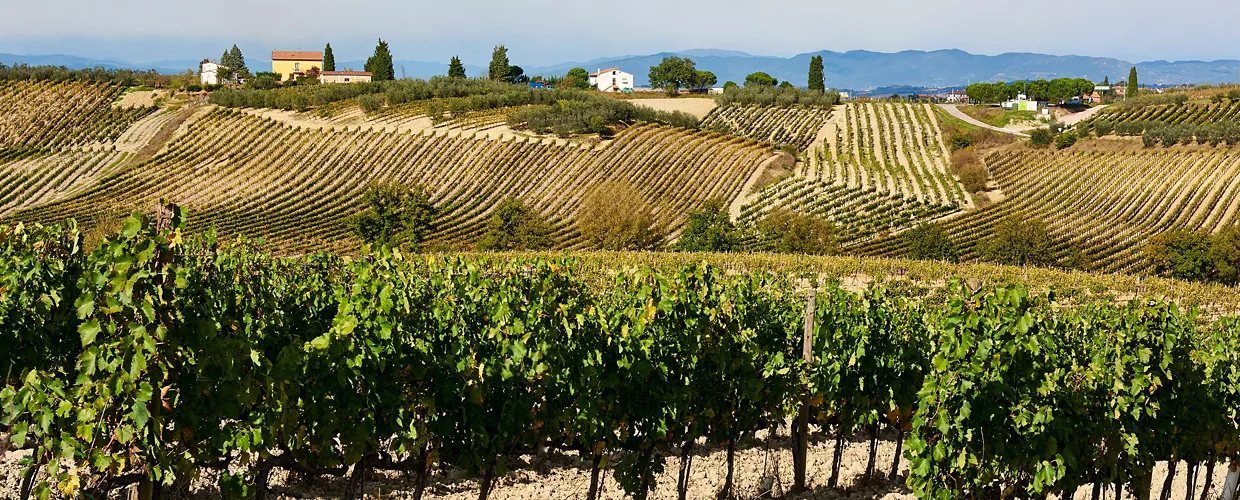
(1075, 118)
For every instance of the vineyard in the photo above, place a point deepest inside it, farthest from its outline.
(161, 355)
(1185, 113)
(880, 167)
(794, 126)
(294, 186)
(53, 116)
(1106, 205)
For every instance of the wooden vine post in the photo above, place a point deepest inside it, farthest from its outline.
(801, 432)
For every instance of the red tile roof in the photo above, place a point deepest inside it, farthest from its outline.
(604, 71)
(346, 73)
(293, 55)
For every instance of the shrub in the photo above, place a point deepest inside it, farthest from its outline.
(1019, 242)
(1130, 128)
(930, 242)
(1103, 127)
(1064, 141)
(515, 226)
(616, 217)
(709, 229)
(394, 215)
(1181, 254)
(968, 167)
(193, 87)
(371, 102)
(794, 232)
(1225, 255)
(960, 141)
(1041, 137)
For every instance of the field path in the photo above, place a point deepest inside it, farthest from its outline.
(956, 112)
(1075, 118)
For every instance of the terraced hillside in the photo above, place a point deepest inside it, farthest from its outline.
(1105, 204)
(795, 126)
(879, 167)
(295, 186)
(46, 115)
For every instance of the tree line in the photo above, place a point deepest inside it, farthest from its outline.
(1058, 90)
(123, 77)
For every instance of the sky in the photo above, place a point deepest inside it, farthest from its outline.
(549, 32)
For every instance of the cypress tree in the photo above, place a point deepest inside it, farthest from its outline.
(1132, 83)
(1106, 81)
(329, 59)
(455, 68)
(817, 81)
(499, 68)
(380, 64)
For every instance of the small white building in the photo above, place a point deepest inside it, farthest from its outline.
(209, 74)
(612, 80)
(344, 77)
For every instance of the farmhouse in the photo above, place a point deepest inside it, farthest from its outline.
(345, 77)
(612, 80)
(955, 97)
(209, 74)
(295, 64)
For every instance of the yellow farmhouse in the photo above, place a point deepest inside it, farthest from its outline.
(290, 64)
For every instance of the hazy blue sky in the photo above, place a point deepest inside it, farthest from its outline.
(542, 32)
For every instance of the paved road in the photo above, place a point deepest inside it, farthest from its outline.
(951, 108)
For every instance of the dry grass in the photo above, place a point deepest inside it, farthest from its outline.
(968, 167)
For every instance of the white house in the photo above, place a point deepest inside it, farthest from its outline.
(612, 80)
(210, 74)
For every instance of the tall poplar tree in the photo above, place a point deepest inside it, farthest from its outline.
(500, 68)
(1132, 83)
(817, 81)
(329, 59)
(380, 64)
(455, 68)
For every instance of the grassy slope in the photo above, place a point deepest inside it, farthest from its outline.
(996, 116)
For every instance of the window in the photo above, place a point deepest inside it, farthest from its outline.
(346, 79)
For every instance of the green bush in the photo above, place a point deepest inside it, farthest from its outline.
(794, 232)
(515, 226)
(930, 242)
(371, 102)
(1103, 127)
(1041, 137)
(1019, 241)
(961, 141)
(1181, 254)
(709, 229)
(1064, 141)
(394, 215)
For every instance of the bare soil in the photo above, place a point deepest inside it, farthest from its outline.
(762, 469)
(140, 98)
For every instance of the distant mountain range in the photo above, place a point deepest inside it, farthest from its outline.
(858, 70)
